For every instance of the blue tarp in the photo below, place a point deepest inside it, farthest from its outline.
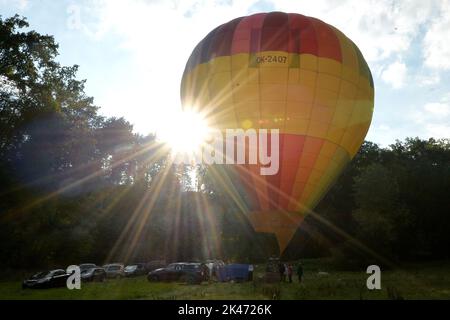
(237, 272)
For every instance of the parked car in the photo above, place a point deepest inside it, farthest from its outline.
(272, 274)
(213, 265)
(47, 279)
(192, 273)
(155, 264)
(94, 274)
(114, 270)
(87, 266)
(135, 269)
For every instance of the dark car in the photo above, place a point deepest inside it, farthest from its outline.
(135, 269)
(272, 274)
(93, 274)
(155, 264)
(87, 266)
(192, 273)
(48, 279)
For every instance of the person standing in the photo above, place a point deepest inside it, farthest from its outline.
(285, 272)
(281, 271)
(289, 272)
(300, 272)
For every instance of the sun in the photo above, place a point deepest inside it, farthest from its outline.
(184, 132)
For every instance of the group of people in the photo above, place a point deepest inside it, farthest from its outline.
(286, 272)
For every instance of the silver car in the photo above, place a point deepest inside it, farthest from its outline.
(114, 270)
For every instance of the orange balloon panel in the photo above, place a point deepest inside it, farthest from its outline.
(288, 72)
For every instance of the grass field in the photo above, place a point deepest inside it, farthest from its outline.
(420, 281)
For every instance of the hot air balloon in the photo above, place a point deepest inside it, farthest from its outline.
(288, 72)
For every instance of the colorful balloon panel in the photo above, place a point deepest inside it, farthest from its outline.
(288, 72)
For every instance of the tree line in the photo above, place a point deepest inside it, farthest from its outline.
(76, 186)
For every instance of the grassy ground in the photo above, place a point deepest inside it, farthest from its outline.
(424, 281)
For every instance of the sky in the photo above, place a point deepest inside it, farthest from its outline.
(133, 52)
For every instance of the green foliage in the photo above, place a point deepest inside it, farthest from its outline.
(79, 187)
(378, 215)
(401, 202)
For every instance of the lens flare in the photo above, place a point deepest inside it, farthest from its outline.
(185, 132)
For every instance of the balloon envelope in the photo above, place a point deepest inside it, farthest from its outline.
(288, 72)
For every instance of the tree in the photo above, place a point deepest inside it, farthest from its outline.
(379, 214)
(46, 120)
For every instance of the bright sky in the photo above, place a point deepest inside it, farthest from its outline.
(133, 52)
